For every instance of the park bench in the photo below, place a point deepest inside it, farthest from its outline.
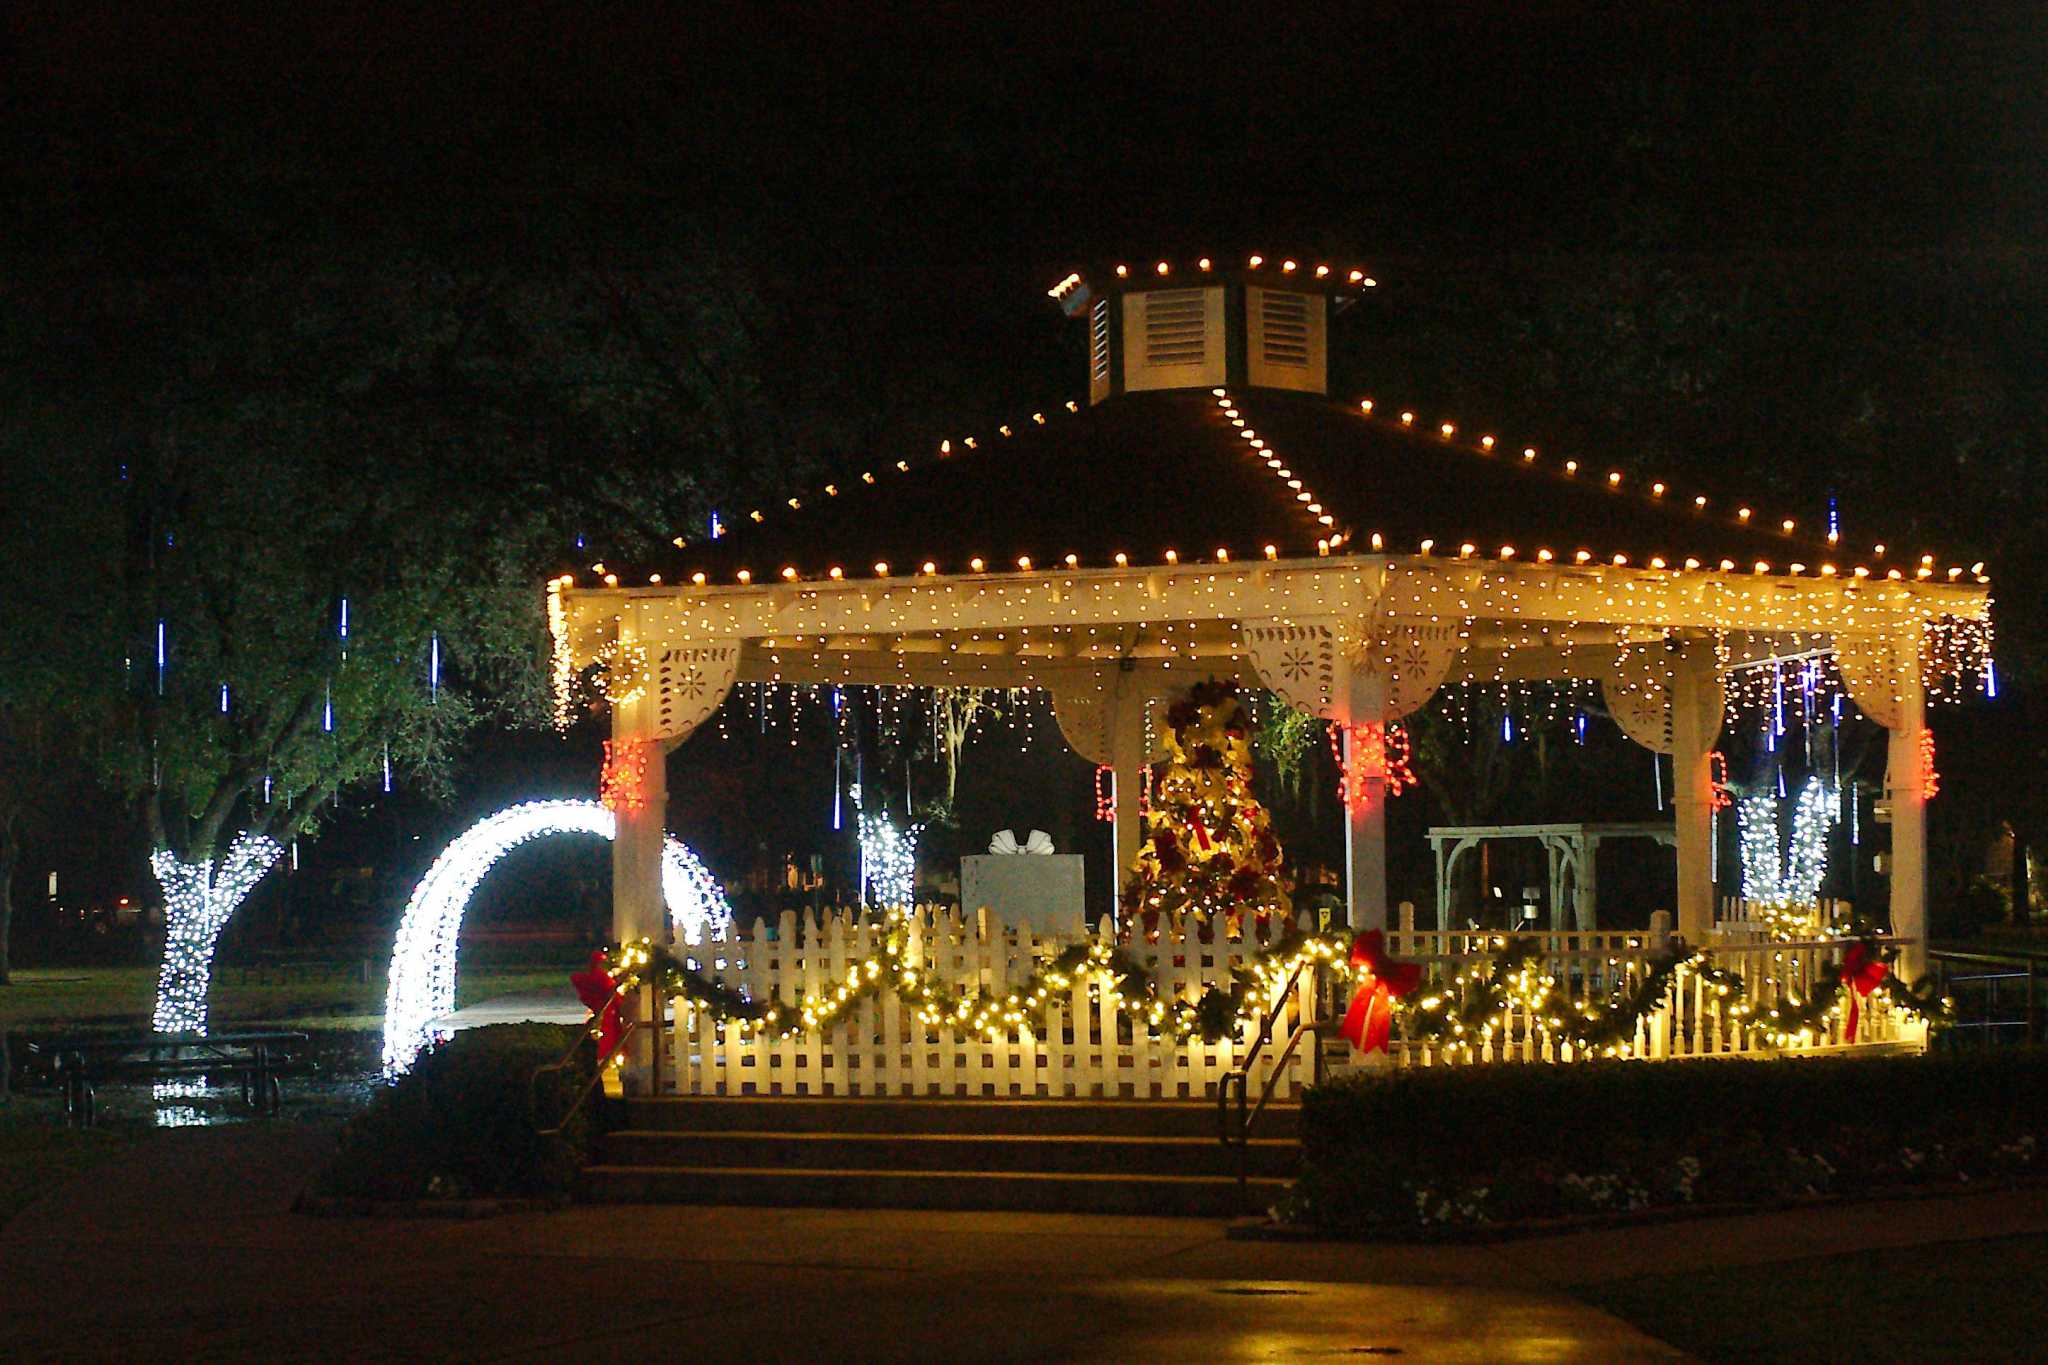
(258, 1059)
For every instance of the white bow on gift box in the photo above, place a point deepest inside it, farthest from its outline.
(1006, 842)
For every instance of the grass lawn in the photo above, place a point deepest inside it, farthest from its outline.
(38, 1151)
(1954, 1301)
(59, 997)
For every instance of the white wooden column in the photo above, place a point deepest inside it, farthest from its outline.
(684, 683)
(1553, 865)
(1909, 817)
(1365, 821)
(1443, 883)
(1882, 674)
(1103, 720)
(1354, 671)
(1586, 886)
(1696, 705)
(1127, 762)
(637, 909)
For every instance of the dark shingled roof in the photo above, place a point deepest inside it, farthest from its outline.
(1144, 474)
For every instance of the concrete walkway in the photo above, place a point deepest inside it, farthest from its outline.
(186, 1249)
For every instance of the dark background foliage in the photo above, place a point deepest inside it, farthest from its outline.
(494, 284)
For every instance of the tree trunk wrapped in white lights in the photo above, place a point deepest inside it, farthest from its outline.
(888, 858)
(1782, 884)
(198, 899)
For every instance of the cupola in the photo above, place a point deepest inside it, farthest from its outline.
(1202, 324)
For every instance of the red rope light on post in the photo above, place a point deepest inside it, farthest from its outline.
(1377, 750)
(1930, 778)
(623, 785)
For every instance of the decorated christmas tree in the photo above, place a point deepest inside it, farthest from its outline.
(1208, 849)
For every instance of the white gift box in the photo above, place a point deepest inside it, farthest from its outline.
(1046, 891)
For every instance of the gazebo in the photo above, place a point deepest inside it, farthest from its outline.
(1207, 507)
(1571, 850)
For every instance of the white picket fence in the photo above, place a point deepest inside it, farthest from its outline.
(1697, 1020)
(1079, 1046)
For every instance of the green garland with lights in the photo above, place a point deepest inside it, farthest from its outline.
(1110, 972)
(1464, 1013)
(1478, 1003)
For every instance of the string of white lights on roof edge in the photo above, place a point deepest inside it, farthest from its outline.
(1478, 591)
(1745, 516)
(1745, 519)
(1204, 265)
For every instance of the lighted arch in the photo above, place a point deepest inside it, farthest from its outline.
(422, 982)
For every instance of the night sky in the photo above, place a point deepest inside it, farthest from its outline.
(965, 163)
(903, 190)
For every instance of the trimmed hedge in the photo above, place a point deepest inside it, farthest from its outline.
(460, 1124)
(1501, 1144)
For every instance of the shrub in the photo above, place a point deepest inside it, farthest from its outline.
(1984, 902)
(1489, 1144)
(461, 1123)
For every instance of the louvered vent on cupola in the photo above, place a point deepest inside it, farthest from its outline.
(1173, 338)
(1285, 339)
(1098, 351)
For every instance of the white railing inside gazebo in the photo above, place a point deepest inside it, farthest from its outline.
(1735, 918)
(1081, 1046)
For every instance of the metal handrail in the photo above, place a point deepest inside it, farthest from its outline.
(568, 1058)
(1301, 1030)
(1993, 959)
(2028, 967)
(1238, 1078)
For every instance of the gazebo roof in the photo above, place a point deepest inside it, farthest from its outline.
(1179, 475)
(1080, 544)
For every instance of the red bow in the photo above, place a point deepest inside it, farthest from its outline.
(1370, 1020)
(599, 992)
(1862, 971)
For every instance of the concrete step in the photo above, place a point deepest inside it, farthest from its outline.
(890, 1114)
(991, 1153)
(1197, 1196)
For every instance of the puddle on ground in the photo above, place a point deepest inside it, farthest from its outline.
(346, 1074)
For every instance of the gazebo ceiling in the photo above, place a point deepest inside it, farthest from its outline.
(1181, 475)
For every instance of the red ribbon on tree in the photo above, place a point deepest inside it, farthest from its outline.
(1370, 1020)
(598, 989)
(1862, 972)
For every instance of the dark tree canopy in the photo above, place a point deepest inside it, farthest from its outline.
(578, 272)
